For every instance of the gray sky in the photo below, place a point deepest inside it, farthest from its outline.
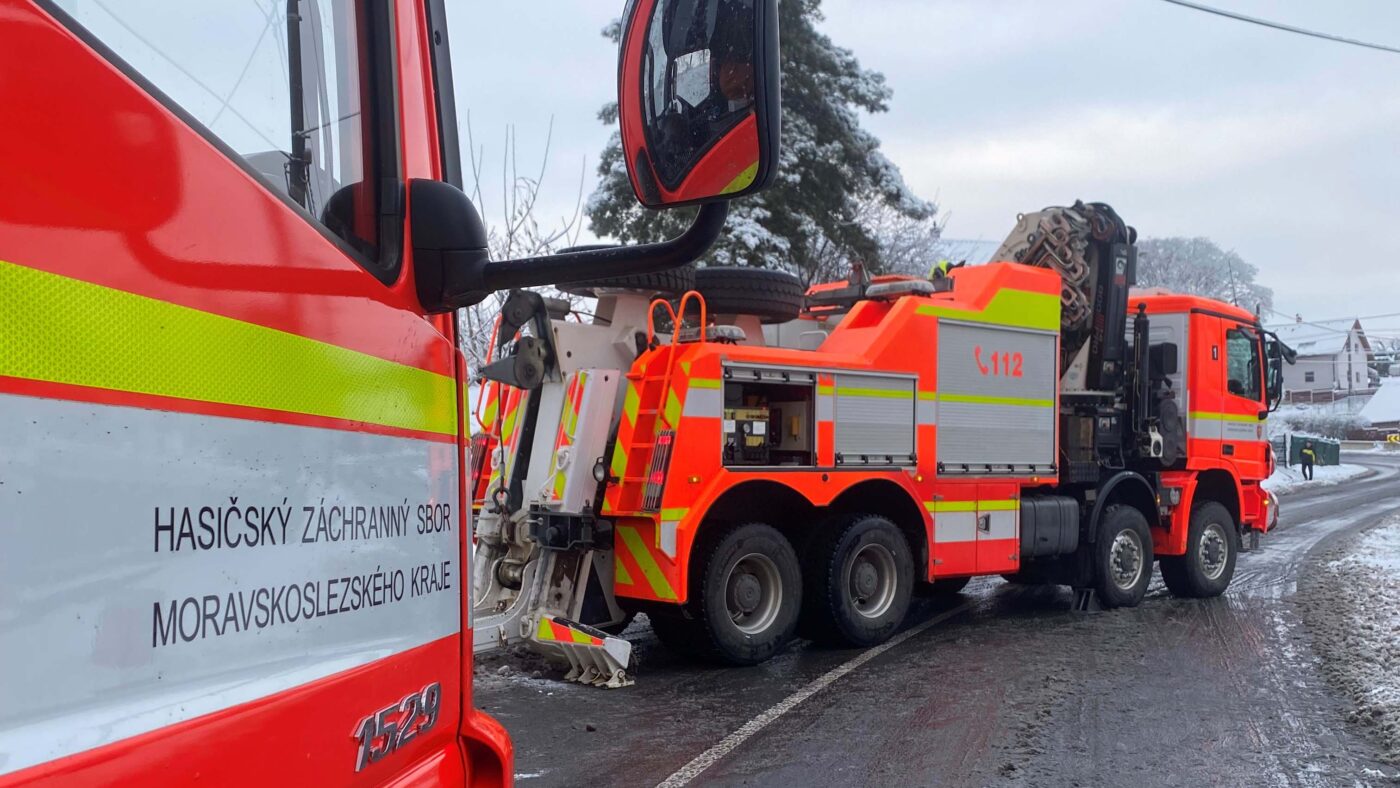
(1280, 147)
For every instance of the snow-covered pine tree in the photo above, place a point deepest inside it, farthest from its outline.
(836, 193)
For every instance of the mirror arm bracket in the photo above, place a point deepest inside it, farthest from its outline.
(454, 268)
(612, 261)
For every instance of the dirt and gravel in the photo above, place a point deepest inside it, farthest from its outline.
(1352, 605)
(1012, 689)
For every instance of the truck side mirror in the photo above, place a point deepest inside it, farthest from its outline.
(1277, 354)
(699, 105)
(1162, 360)
(698, 98)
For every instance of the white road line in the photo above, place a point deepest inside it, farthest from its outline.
(706, 759)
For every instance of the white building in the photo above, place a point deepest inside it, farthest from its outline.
(1333, 359)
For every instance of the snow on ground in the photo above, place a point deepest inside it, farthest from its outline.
(1356, 623)
(1285, 480)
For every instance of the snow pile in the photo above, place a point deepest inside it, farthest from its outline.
(1286, 480)
(1357, 629)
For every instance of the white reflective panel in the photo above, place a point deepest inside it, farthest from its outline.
(159, 566)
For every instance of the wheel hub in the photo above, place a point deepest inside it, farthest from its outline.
(1214, 551)
(865, 579)
(1125, 560)
(746, 592)
(871, 580)
(753, 593)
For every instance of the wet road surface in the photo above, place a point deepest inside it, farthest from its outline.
(1000, 685)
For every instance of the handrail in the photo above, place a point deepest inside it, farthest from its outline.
(677, 321)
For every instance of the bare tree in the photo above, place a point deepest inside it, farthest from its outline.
(513, 230)
(907, 244)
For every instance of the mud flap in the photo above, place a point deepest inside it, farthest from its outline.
(595, 657)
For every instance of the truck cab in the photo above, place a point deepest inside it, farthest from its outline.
(1225, 394)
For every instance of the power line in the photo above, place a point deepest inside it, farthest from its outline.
(1280, 26)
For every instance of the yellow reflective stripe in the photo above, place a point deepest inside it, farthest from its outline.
(582, 637)
(926, 396)
(1020, 308)
(659, 587)
(488, 414)
(743, 180)
(620, 570)
(674, 514)
(571, 415)
(631, 402)
(544, 631)
(619, 461)
(62, 330)
(1234, 417)
(972, 506)
(826, 389)
(848, 391)
(508, 427)
(705, 383)
(673, 409)
(685, 367)
(998, 506)
(978, 399)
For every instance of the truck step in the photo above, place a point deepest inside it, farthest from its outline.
(595, 657)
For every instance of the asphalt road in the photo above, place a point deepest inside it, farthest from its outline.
(999, 686)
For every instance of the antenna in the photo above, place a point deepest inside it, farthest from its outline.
(1230, 266)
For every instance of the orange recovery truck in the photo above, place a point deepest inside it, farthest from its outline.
(234, 541)
(1035, 418)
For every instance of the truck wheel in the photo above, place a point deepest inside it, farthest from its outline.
(1122, 557)
(771, 296)
(749, 595)
(859, 576)
(1212, 543)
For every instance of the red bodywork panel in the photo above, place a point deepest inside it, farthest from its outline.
(875, 335)
(114, 189)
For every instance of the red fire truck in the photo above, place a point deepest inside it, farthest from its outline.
(1035, 418)
(232, 529)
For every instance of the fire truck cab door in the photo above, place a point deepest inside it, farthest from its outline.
(1227, 395)
(231, 544)
(1243, 439)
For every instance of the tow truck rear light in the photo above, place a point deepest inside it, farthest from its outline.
(656, 474)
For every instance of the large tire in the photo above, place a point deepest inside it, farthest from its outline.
(672, 282)
(1122, 557)
(771, 296)
(859, 576)
(1212, 544)
(747, 595)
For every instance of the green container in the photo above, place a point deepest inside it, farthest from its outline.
(1328, 452)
